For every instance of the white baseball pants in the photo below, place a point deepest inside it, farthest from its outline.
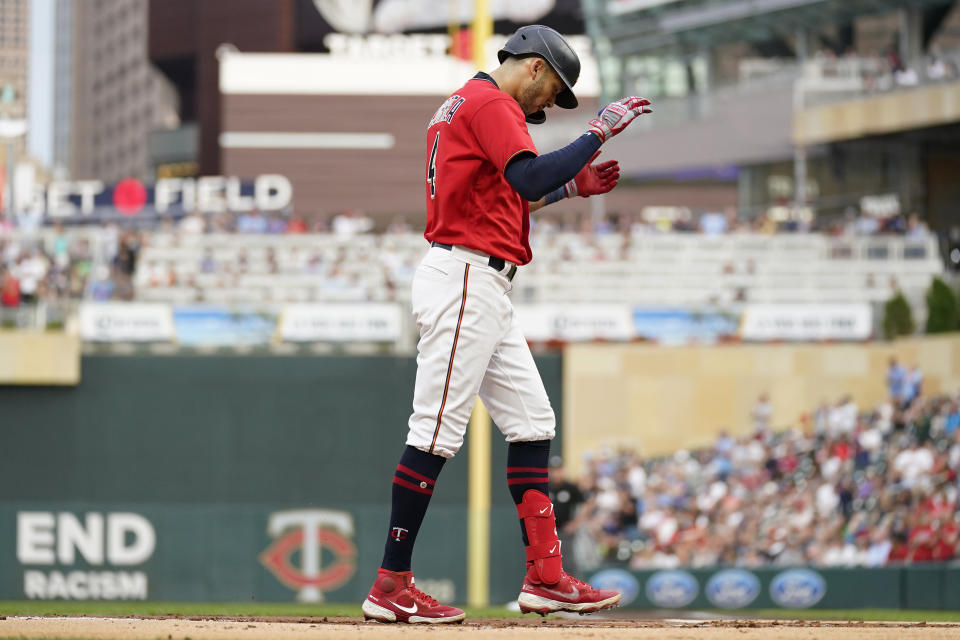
(470, 344)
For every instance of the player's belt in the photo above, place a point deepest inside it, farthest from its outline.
(497, 263)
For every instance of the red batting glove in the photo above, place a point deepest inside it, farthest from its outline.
(594, 179)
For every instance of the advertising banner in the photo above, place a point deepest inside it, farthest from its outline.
(573, 323)
(807, 322)
(784, 587)
(126, 322)
(679, 326)
(340, 323)
(220, 326)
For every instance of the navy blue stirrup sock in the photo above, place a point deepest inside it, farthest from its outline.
(527, 469)
(413, 484)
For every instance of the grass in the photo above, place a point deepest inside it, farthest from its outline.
(293, 609)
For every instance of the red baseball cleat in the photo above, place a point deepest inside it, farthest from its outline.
(569, 594)
(394, 598)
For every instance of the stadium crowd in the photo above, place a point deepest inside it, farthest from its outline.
(101, 262)
(67, 265)
(887, 70)
(846, 488)
(892, 71)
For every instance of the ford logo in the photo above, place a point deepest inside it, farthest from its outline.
(672, 589)
(618, 580)
(797, 588)
(732, 589)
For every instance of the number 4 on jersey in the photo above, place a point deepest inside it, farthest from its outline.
(432, 168)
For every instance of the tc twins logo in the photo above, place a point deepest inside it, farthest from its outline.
(399, 533)
(326, 553)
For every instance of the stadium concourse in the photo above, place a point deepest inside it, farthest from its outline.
(710, 260)
(850, 487)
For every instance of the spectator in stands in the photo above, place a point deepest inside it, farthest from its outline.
(102, 285)
(896, 224)
(916, 228)
(936, 68)
(127, 253)
(952, 419)
(30, 271)
(713, 223)
(566, 496)
(9, 289)
(158, 275)
(297, 225)
(896, 382)
(208, 264)
(82, 264)
(252, 222)
(913, 386)
(61, 247)
(906, 76)
(320, 224)
(842, 419)
(913, 464)
(192, 225)
(787, 499)
(352, 222)
(399, 226)
(879, 550)
(724, 444)
(108, 239)
(222, 223)
(276, 223)
(921, 539)
(762, 413)
(863, 225)
(948, 535)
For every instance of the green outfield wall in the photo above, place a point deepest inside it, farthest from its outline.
(228, 478)
(242, 478)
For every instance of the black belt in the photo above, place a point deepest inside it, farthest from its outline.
(497, 263)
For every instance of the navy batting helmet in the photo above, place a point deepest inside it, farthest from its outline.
(539, 40)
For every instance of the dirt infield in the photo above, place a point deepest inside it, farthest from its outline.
(222, 628)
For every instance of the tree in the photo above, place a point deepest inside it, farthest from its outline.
(897, 317)
(943, 314)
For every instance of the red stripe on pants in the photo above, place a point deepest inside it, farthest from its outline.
(453, 351)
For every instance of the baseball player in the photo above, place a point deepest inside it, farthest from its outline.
(483, 178)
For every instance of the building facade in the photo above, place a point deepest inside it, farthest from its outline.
(14, 51)
(118, 97)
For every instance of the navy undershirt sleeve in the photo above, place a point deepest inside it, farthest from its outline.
(533, 177)
(556, 195)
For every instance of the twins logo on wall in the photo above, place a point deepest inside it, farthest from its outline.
(311, 532)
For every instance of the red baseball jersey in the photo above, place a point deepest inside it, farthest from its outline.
(470, 140)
